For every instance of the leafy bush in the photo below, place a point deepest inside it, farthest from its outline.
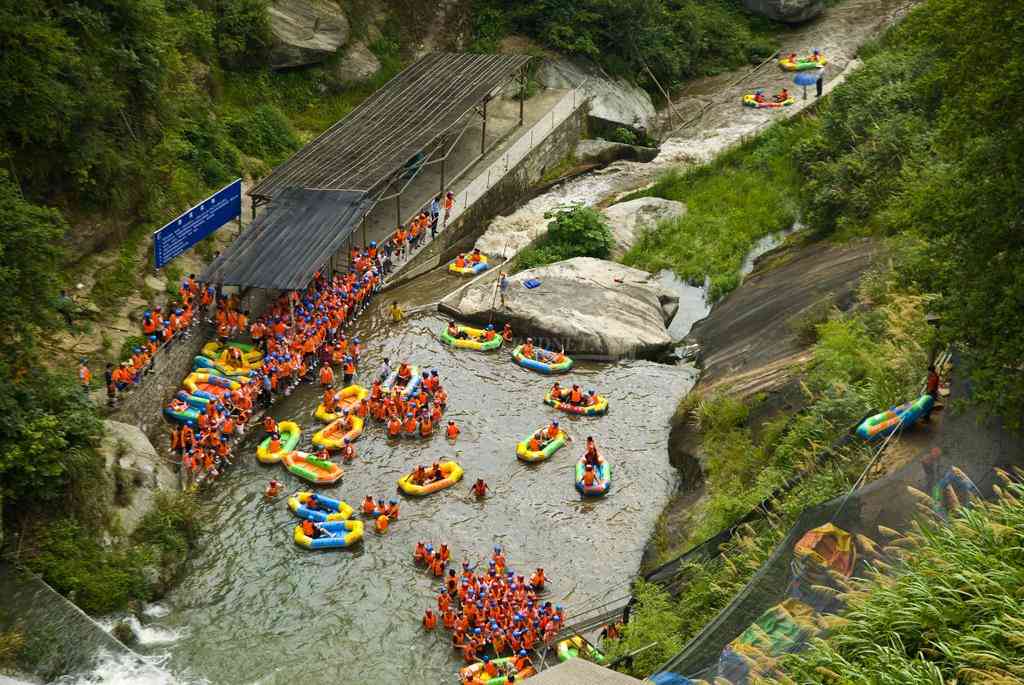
(264, 132)
(577, 231)
(173, 524)
(243, 31)
(675, 40)
(654, 619)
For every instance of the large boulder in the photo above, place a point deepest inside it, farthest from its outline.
(305, 31)
(788, 11)
(358, 64)
(598, 151)
(615, 100)
(135, 472)
(628, 219)
(588, 306)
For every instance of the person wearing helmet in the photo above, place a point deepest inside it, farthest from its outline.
(392, 509)
(527, 349)
(489, 333)
(553, 430)
(592, 456)
(576, 396)
(591, 399)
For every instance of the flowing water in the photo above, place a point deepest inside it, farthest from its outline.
(253, 607)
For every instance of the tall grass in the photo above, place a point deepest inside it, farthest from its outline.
(952, 612)
(743, 195)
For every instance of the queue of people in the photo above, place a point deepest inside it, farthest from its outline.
(492, 614)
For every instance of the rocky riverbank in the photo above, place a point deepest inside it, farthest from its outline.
(756, 342)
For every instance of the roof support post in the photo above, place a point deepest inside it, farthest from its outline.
(364, 232)
(398, 208)
(522, 93)
(483, 131)
(443, 159)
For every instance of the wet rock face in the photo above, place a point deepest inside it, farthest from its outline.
(615, 100)
(358, 64)
(588, 306)
(597, 151)
(305, 31)
(628, 219)
(788, 11)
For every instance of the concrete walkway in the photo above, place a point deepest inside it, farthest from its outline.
(581, 672)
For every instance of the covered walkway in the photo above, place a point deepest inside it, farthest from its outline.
(323, 193)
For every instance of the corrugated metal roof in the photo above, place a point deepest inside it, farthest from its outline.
(289, 242)
(390, 127)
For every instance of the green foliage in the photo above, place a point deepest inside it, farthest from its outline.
(264, 132)
(950, 613)
(654, 619)
(624, 135)
(577, 231)
(243, 31)
(73, 560)
(104, 577)
(172, 525)
(918, 144)
(49, 431)
(742, 196)
(30, 254)
(675, 39)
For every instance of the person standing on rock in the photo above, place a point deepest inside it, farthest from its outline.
(503, 286)
(449, 202)
(819, 85)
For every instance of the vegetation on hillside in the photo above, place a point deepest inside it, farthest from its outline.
(743, 195)
(675, 40)
(862, 360)
(918, 149)
(949, 613)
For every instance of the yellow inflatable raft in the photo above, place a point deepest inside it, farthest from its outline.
(328, 508)
(252, 358)
(290, 434)
(451, 472)
(332, 436)
(347, 398)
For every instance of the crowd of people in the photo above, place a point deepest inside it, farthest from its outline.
(492, 614)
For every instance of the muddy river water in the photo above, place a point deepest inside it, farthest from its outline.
(254, 607)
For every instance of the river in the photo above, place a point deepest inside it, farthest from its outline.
(253, 607)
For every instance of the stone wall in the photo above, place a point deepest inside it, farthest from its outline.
(142, 406)
(513, 189)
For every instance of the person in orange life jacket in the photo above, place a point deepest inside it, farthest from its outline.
(441, 397)
(394, 427)
(429, 620)
(475, 256)
(348, 452)
(326, 376)
(323, 454)
(452, 432)
(391, 511)
(556, 391)
(538, 579)
(313, 503)
(575, 396)
(404, 374)
(589, 475)
(782, 96)
(460, 261)
(419, 474)
(590, 399)
(536, 442)
(489, 333)
(527, 349)
(84, 374)
(269, 425)
(411, 424)
(381, 524)
(330, 401)
(435, 381)
(426, 426)
(368, 506)
(419, 555)
(553, 430)
(480, 488)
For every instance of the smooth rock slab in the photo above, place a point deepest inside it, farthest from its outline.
(589, 306)
(629, 219)
(788, 11)
(305, 32)
(598, 151)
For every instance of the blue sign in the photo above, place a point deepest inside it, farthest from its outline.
(197, 223)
